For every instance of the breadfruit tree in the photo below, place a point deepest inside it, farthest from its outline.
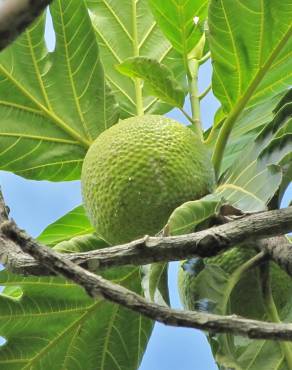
(86, 293)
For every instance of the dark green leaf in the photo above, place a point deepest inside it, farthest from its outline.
(222, 288)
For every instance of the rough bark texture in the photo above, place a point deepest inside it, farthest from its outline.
(97, 286)
(15, 244)
(280, 250)
(16, 16)
(154, 249)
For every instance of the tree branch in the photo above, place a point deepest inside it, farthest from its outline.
(16, 16)
(97, 286)
(205, 243)
(280, 251)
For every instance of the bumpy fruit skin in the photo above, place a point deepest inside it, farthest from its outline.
(138, 171)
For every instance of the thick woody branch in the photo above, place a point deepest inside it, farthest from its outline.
(280, 251)
(97, 286)
(16, 16)
(205, 243)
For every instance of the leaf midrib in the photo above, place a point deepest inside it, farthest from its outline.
(50, 114)
(70, 75)
(62, 334)
(90, 309)
(37, 71)
(237, 188)
(244, 99)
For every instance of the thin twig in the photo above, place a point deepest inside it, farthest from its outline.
(206, 57)
(205, 92)
(188, 117)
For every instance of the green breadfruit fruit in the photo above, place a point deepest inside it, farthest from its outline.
(138, 171)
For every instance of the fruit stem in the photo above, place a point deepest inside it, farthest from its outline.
(137, 81)
(193, 66)
(272, 311)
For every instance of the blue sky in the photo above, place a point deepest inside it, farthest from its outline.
(34, 205)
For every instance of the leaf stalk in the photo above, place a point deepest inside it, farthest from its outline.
(193, 66)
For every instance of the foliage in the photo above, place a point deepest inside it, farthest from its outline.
(110, 62)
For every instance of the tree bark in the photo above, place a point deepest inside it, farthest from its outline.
(205, 243)
(16, 16)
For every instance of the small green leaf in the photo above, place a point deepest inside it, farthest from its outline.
(82, 243)
(247, 126)
(180, 21)
(129, 30)
(186, 217)
(75, 223)
(160, 79)
(252, 189)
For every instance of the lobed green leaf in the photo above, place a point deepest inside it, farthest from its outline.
(53, 105)
(245, 74)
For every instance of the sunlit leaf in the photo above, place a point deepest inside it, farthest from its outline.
(186, 217)
(252, 189)
(55, 325)
(256, 175)
(180, 21)
(74, 223)
(251, 63)
(51, 323)
(159, 78)
(248, 125)
(125, 30)
(82, 243)
(53, 105)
